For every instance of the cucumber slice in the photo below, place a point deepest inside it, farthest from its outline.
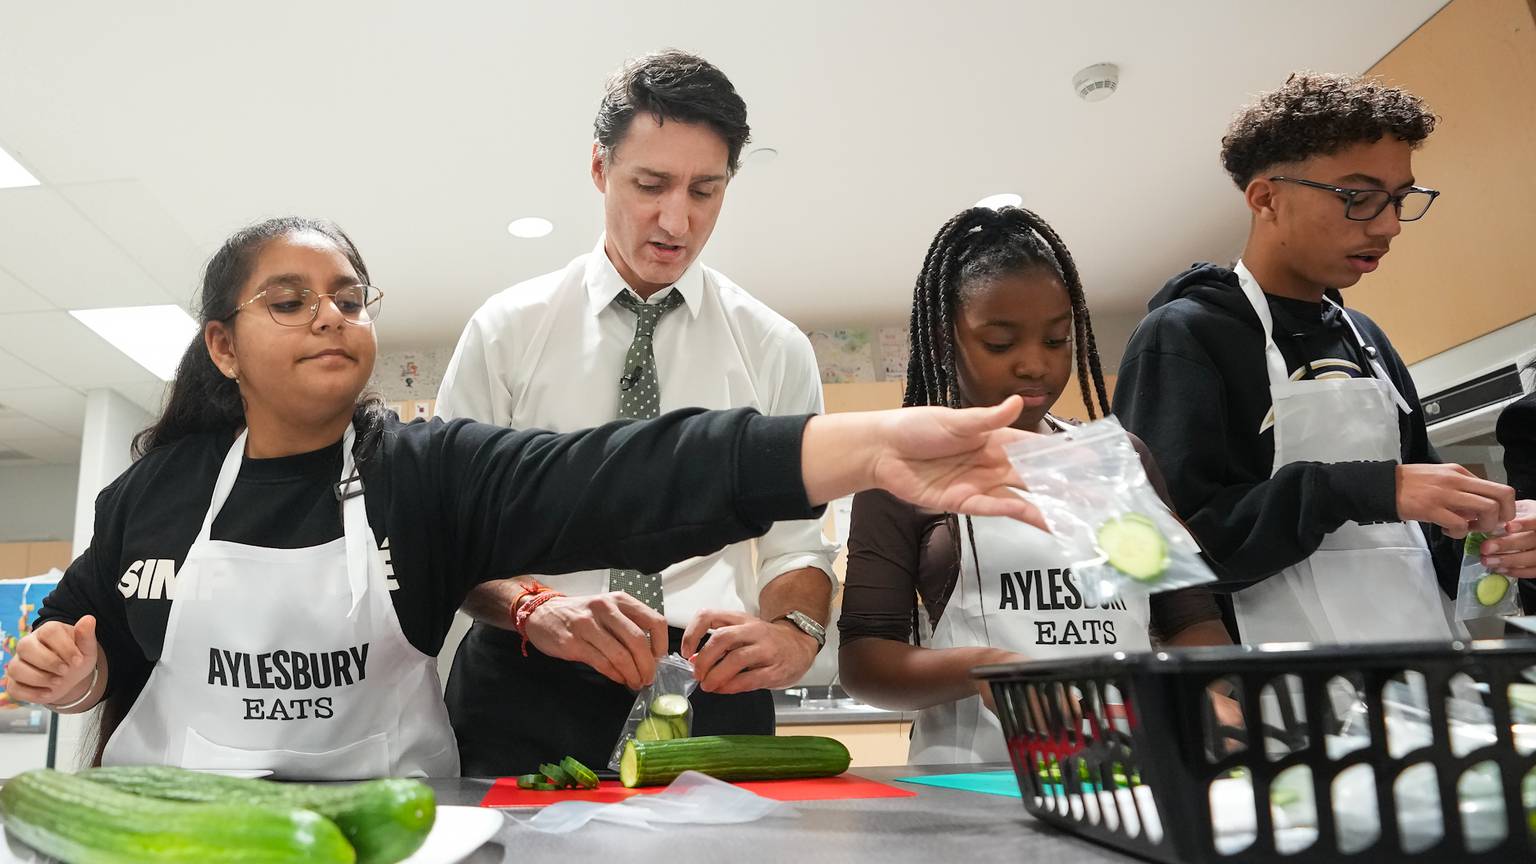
(654, 729)
(1491, 589)
(679, 727)
(584, 776)
(1133, 545)
(556, 774)
(1474, 544)
(544, 787)
(526, 781)
(669, 705)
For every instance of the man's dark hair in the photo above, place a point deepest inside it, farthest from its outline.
(673, 85)
(1315, 115)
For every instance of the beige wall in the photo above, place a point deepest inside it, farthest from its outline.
(1470, 266)
(21, 560)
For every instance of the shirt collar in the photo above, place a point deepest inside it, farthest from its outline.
(604, 283)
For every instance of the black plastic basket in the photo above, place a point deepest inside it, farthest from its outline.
(1125, 749)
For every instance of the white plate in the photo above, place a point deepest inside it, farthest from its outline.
(457, 832)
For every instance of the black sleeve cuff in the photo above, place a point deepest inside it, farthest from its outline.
(1366, 491)
(769, 486)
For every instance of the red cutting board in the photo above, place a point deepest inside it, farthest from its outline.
(504, 793)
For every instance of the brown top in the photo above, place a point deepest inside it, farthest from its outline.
(898, 553)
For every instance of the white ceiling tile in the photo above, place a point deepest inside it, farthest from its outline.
(16, 297)
(14, 372)
(57, 450)
(62, 408)
(130, 214)
(59, 254)
(23, 427)
(70, 352)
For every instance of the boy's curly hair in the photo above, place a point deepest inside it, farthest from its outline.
(1318, 114)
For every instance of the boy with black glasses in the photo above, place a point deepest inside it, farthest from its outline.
(1288, 428)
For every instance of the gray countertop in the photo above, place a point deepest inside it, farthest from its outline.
(937, 826)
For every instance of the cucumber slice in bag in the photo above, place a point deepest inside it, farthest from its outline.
(1133, 545)
(669, 705)
(654, 729)
(1491, 589)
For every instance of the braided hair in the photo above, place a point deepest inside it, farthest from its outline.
(976, 244)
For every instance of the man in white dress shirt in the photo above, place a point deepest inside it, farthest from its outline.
(636, 327)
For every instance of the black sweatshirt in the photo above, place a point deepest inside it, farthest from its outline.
(1194, 386)
(451, 505)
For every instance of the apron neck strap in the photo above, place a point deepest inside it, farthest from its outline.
(354, 513)
(1370, 355)
(1274, 362)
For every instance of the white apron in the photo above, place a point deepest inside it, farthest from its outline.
(1024, 600)
(1365, 583)
(289, 660)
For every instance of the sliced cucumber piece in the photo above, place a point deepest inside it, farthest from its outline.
(1491, 589)
(1133, 545)
(654, 729)
(669, 705)
(1474, 544)
(584, 776)
(526, 781)
(679, 727)
(556, 774)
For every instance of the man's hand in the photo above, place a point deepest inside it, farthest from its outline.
(614, 633)
(1514, 554)
(54, 663)
(1453, 498)
(745, 652)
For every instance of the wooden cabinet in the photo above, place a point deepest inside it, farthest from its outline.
(20, 560)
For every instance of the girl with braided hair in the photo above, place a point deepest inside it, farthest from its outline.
(997, 313)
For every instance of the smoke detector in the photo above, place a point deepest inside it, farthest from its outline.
(1097, 82)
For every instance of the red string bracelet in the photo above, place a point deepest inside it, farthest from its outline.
(520, 622)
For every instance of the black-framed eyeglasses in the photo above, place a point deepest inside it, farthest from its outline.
(1363, 205)
(298, 307)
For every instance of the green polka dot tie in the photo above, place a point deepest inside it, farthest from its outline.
(640, 399)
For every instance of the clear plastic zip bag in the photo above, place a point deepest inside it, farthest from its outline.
(1089, 484)
(1481, 593)
(661, 712)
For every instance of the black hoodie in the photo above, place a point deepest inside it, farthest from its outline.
(1194, 387)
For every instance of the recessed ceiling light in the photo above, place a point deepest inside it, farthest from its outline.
(154, 337)
(530, 227)
(1000, 200)
(12, 175)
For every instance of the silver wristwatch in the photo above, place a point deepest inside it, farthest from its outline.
(807, 625)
